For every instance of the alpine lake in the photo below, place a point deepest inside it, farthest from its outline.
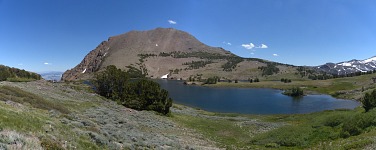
(250, 100)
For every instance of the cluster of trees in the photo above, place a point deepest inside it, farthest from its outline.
(269, 69)
(305, 71)
(194, 78)
(144, 56)
(322, 76)
(134, 72)
(285, 80)
(231, 63)
(250, 80)
(319, 75)
(294, 92)
(7, 72)
(175, 71)
(197, 64)
(201, 55)
(369, 101)
(139, 94)
(212, 80)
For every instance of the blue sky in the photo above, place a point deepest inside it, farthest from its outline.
(45, 35)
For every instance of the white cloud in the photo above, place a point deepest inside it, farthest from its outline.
(20, 64)
(263, 46)
(46, 63)
(252, 53)
(275, 55)
(172, 22)
(248, 46)
(227, 43)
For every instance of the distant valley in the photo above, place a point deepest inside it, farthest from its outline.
(52, 75)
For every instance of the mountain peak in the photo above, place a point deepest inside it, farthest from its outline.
(125, 49)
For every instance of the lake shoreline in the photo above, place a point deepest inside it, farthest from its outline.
(263, 100)
(321, 87)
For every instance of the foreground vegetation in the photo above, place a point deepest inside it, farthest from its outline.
(47, 114)
(142, 94)
(337, 129)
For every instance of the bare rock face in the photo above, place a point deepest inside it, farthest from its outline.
(89, 64)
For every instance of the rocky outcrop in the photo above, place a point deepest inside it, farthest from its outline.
(89, 64)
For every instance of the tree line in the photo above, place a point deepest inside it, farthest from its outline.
(7, 73)
(140, 94)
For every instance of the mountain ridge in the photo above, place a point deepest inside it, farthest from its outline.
(165, 50)
(162, 51)
(348, 67)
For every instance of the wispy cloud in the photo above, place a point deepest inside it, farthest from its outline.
(262, 46)
(46, 63)
(251, 46)
(248, 46)
(252, 53)
(275, 55)
(20, 64)
(227, 43)
(172, 22)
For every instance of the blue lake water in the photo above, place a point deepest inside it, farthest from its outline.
(250, 100)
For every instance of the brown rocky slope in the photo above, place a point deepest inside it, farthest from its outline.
(166, 50)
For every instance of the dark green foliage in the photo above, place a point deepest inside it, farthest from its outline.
(269, 69)
(334, 120)
(142, 94)
(143, 56)
(256, 80)
(7, 73)
(294, 92)
(285, 80)
(197, 64)
(212, 80)
(134, 72)
(369, 100)
(231, 63)
(147, 95)
(357, 124)
(163, 54)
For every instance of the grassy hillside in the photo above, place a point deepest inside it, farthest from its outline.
(321, 130)
(43, 115)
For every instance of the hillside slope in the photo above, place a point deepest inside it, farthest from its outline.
(166, 50)
(39, 114)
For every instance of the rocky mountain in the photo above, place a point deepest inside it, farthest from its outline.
(348, 67)
(167, 51)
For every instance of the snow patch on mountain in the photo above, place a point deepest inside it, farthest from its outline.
(349, 66)
(372, 59)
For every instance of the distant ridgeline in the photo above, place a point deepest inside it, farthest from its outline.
(15, 74)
